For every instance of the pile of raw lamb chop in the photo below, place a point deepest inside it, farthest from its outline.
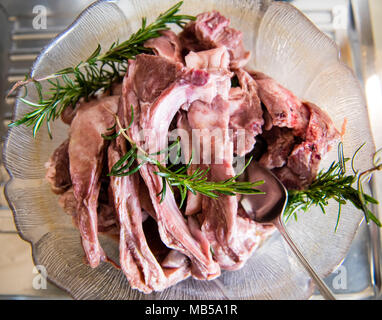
(194, 80)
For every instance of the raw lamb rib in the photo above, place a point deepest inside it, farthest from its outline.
(155, 111)
(86, 150)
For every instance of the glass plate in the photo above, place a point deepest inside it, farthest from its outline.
(284, 45)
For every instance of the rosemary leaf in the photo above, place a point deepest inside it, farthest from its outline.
(335, 184)
(196, 182)
(98, 72)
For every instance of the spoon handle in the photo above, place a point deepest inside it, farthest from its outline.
(325, 291)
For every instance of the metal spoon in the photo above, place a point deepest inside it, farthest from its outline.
(269, 208)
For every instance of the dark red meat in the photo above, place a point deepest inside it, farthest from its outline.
(57, 173)
(86, 150)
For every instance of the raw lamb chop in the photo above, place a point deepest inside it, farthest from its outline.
(86, 149)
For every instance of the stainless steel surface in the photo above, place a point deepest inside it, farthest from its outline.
(366, 68)
(24, 34)
(346, 21)
(352, 30)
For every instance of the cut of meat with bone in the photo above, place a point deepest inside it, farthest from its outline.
(321, 134)
(230, 236)
(167, 46)
(211, 30)
(172, 226)
(153, 74)
(86, 149)
(297, 163)
(137, 261)
(209, 122)
(232, 253)
(157, 120)
(284, 108)
(191, 85)
(307, 122)
(216, 62)
(246, 119)
(194, 201)
(321, 129)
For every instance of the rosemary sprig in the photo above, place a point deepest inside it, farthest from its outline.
(196, 182)
(99, 71)
(335, 184)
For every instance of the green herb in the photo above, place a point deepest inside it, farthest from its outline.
(335, 184)
(98, 72)
(197, 182)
